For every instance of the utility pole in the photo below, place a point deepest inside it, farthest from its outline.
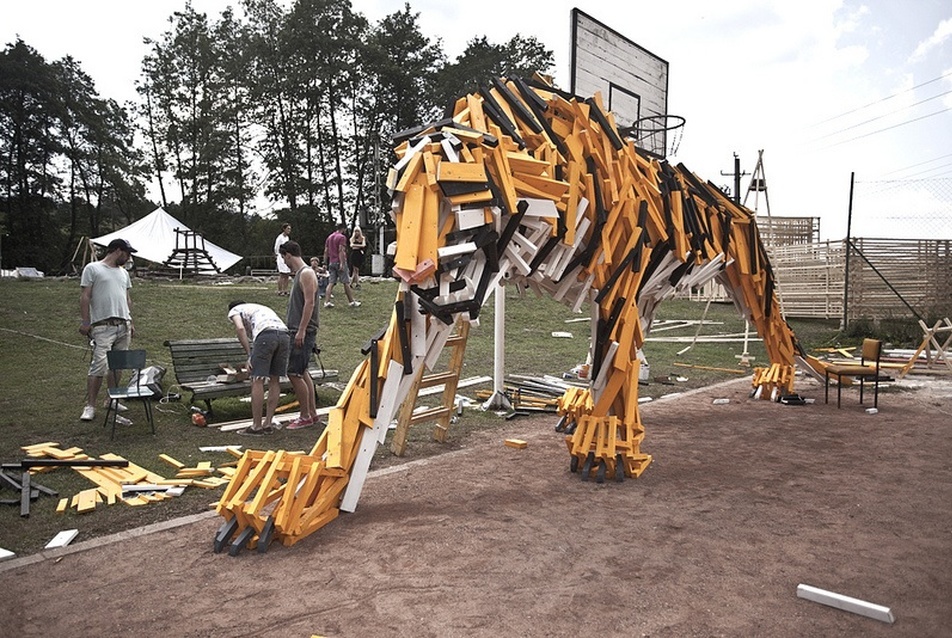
(737, 174)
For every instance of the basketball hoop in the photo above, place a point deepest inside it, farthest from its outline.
(658, 134)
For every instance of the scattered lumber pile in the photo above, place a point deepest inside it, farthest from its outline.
(532, 394)
(116, 479)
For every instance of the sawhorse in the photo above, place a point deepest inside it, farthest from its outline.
(930, 340)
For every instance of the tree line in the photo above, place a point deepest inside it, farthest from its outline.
(294, 105)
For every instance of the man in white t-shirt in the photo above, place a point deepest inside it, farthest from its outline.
(105, 312)
(284, 273)
(266, 340)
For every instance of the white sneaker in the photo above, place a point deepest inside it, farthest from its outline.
(121, 420)
(120, 407)
(89, 413)
(329, 304)
(355, 304)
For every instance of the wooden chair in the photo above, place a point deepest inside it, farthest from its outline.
(867, 369)
(120, 360)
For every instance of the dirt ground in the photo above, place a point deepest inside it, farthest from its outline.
(742, 503)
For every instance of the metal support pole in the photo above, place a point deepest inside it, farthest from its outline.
(736, 179)
(847, 245)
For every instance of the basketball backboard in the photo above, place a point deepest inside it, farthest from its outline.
(633, 81)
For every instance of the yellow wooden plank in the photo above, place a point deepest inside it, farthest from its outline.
(460, 172)
(429, 227)
(409, 232)
(410, 173)
(499, 166)
(86, 501)
(518, 444)
(521, 162)
(431, 163)
(174, 463)
(477, 119)
(39, 446)
(335, 425)
(540, 187)
(471, 198)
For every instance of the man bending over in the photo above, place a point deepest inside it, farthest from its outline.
(268, 351)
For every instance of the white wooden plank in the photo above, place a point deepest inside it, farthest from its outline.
(584, 293)
(568, 283)
(568, 255)
(389, 399)
(846, 603)
(62, 539)
(541, 208)
(448, 150)
(413, 150)
(464, 248)
(439, 334)
(369, 439)
(521, 266)
(462, 383)
(467, 218)
(602, 379)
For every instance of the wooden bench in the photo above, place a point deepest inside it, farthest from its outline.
(196, 361)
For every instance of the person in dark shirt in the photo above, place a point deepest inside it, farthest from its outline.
(302, 324)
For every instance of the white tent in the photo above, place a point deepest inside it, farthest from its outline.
(153, 237)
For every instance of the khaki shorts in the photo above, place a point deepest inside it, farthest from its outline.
(106, 337)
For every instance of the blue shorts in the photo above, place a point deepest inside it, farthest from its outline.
(300, 358)
(269, 354)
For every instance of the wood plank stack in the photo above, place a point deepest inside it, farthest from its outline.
(129, 484)
(528, 185)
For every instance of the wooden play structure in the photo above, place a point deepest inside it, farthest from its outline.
(523, 185)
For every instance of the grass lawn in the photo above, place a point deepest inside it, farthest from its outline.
(44, 361)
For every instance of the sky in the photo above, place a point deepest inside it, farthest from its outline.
(825, 88)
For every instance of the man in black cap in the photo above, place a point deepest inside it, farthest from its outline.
(104, 308)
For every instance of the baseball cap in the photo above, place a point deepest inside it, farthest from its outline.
(120, 244)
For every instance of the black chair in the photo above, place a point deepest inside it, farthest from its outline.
(867, 369)
(119, 361)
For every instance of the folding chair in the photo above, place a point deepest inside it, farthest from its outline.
(867, 369)
(120, 360)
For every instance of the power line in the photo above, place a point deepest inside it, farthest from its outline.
(905, 168)
(929, 170)
(888, 97)
(879, 117)
(888, 128)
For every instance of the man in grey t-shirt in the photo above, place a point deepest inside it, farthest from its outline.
(105, 311)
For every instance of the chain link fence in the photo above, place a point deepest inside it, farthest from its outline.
(902, 209)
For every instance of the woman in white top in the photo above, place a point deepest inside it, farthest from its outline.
(284, 273)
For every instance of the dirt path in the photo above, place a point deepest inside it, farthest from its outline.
(743, 502)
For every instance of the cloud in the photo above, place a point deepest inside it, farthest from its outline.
(942, 33)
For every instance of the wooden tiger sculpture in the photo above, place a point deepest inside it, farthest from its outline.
(526, 185)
